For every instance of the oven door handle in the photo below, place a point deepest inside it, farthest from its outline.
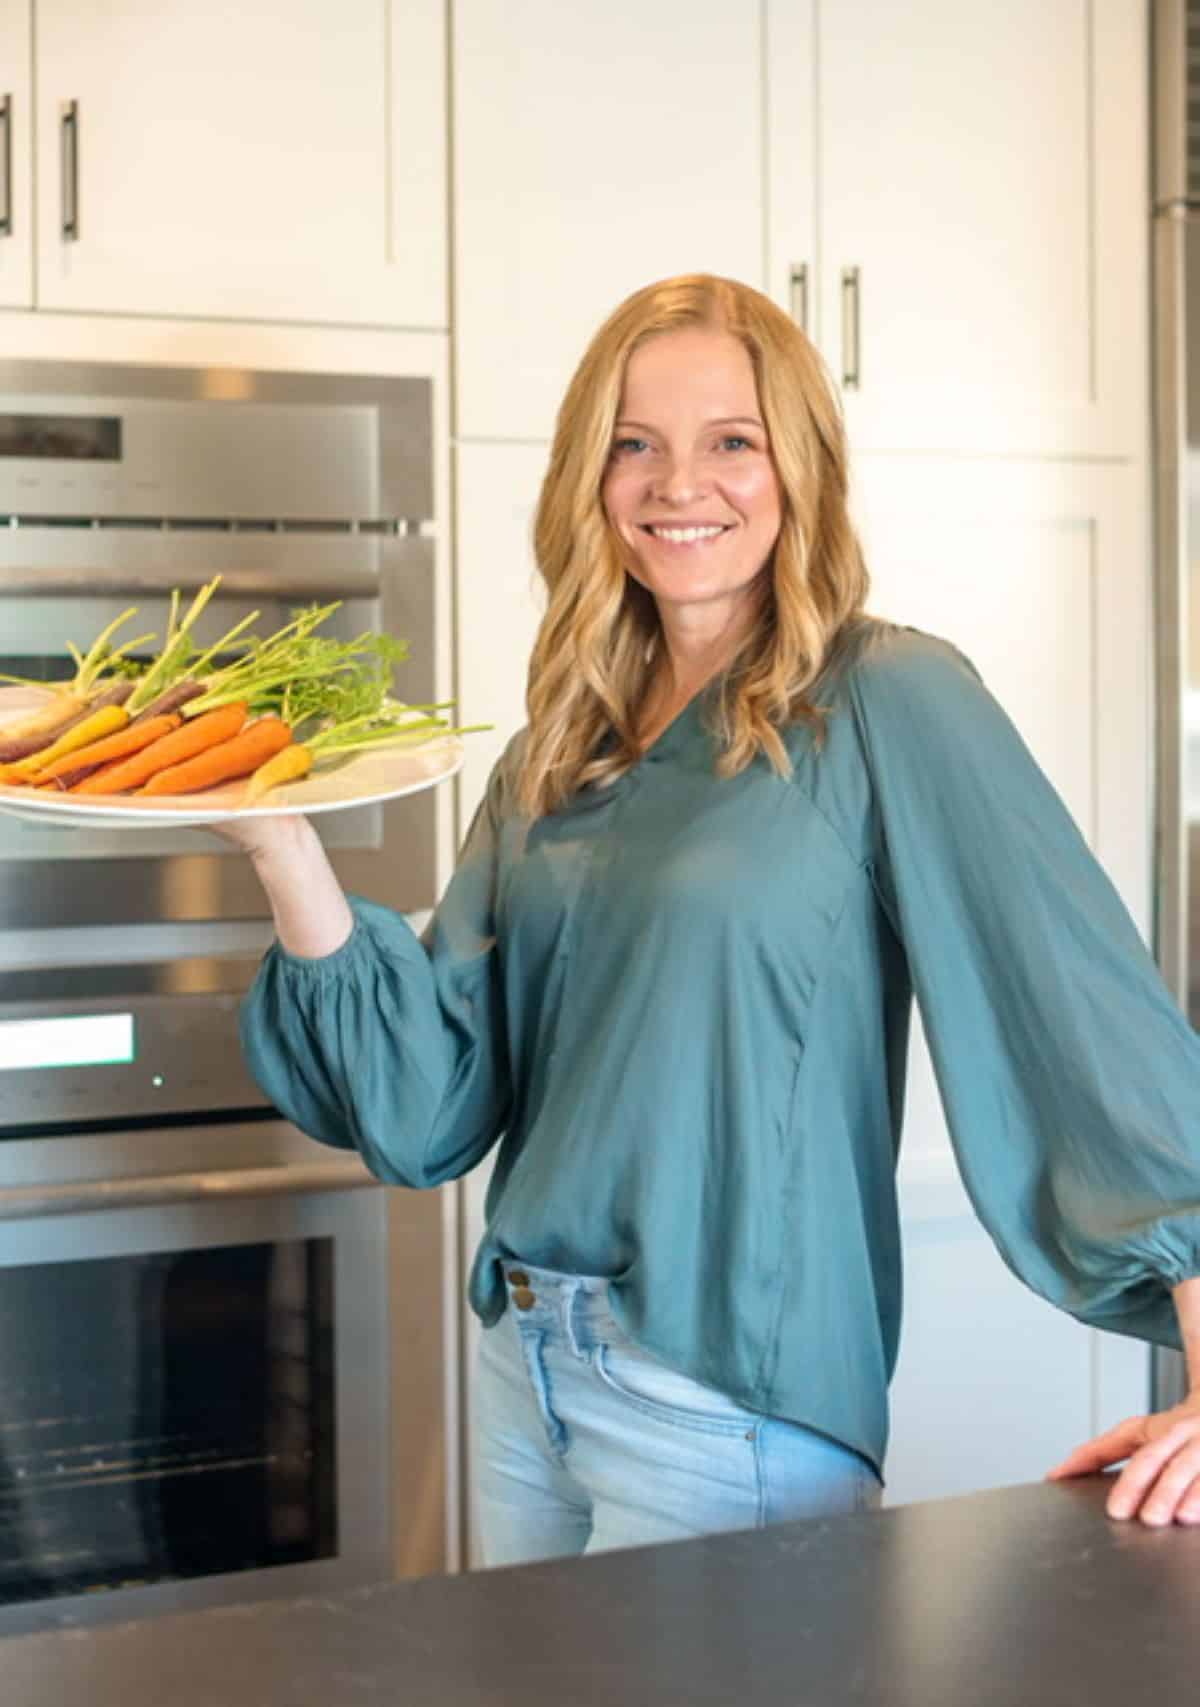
(246, 583)
(155, 1191)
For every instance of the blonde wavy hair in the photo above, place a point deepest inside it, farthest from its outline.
(599, 642)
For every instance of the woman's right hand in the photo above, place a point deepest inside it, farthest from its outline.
(311, 913)
(271, 837)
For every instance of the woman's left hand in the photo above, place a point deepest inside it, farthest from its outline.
(1161, 1482)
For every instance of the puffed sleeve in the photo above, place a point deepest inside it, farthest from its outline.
(395, 1045)
(1069, 1077)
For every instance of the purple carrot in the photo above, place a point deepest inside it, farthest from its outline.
(22, 746)
(170, 700)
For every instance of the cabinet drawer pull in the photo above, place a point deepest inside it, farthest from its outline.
(6, 223)
(851, 351)
(69, 132)
(798, 296)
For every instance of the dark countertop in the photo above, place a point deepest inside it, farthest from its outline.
(1023, 1597)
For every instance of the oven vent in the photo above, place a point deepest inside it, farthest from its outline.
(391, 527)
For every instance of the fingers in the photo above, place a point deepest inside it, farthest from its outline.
(1161, 1482)
(1108, 1448)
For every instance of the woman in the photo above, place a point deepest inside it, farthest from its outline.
(673, 972)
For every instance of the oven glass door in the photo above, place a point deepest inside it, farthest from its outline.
(166, 1415)
(192, 1406)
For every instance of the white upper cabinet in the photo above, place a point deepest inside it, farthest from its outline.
(977, 274)
(597, 148)
(259, 162)
(16, 129)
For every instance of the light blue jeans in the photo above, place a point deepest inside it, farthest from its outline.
(584, 1442)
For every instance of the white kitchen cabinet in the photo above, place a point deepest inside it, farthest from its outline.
(964, 188)
(16, 222)
(267, 162)
(597, 148)
(499, 598)
(1039, 572)
(953, 198)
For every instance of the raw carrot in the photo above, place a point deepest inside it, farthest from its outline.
(104, 722)
(192, 737)
(125, 741)
(256, 743)
(288, 765)
(40, 727)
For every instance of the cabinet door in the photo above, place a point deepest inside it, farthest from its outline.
(597, 148)
(793, 107)
(498, 596)
(1038, 572)
(260, 162)
(499, 605)
(982, 212)
(16, 130)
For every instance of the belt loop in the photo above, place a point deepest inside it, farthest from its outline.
(570, 1303)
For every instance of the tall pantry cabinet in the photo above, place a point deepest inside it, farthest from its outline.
(952, 201)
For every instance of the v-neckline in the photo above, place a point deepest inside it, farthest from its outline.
(668, 736)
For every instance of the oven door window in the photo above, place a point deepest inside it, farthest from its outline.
(165, 1416)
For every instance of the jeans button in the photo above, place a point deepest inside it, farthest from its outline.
(518, 1277)
(523, 1298)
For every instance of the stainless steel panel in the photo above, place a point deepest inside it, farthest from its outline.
(1169, 27)
(217, 1145)
(1171, 599)
(1175, 28)
(134, 567)
(227, 442)
(186, 1054)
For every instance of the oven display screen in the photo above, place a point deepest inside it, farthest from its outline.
(75, 1040)
(62, 438)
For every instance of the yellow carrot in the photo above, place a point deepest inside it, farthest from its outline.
(288, 765)
(116, 746)
(104, 722)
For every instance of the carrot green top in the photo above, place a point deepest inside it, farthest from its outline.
(681, 1004)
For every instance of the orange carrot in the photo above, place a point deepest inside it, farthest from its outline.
(237, 757)
(191, 738)
(126, 741)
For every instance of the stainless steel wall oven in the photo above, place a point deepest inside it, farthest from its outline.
(197, 1305)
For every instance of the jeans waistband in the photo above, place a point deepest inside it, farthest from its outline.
(575, 1307)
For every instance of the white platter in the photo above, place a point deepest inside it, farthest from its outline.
(362, 779)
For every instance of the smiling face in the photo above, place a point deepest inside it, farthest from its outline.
(691, 488)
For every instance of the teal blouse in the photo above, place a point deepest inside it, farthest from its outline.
(681, 1003)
